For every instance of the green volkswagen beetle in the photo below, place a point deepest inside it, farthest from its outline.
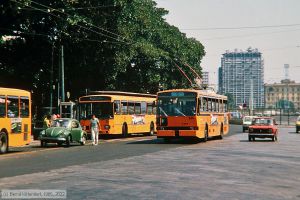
(63, 131)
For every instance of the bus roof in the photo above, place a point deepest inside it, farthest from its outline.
(13, 91)
(120, 93)
(208, 93)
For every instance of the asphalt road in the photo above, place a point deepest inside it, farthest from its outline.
(147, 168)
(33, 158)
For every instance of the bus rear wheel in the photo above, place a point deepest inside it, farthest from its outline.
(124, 131)
(205, 134)
(3, 143)
(221, 133)
(151, 129)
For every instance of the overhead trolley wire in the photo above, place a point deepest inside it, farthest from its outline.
(102, 34)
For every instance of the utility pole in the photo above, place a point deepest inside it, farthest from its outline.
(62, 75)
(51, 81)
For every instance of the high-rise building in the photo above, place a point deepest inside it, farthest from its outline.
(205, 78)
(242, 75)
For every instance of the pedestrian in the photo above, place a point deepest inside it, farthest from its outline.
(47, 121)
(95, 126)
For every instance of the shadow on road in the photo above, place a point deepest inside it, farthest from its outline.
(294, 133)
(172, 141)
(266, 140)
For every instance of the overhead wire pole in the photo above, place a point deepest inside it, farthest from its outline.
(184, 74)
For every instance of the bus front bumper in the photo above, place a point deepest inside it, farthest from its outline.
(176, 133)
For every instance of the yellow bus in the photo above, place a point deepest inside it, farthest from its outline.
(119, 112)
(191, 114)
(15, 118)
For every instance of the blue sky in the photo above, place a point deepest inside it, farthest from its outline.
(271, 26)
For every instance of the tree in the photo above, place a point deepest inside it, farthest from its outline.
(122, 45)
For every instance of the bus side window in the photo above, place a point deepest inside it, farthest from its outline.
(124, 108)
(225, 105)
(2, 106)
(213, 105)
(137, 108)
(198, 106)
(154, 110)
(221, 105)
(217, 105)
(209, 103)
(149, 108)
(143, 108)
(24, 103)
(13, 106)
(204, 104)
(117, 110)
(130, 108)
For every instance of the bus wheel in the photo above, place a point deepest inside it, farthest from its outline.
(221, 133)
(205, 134)
(3, 143)
(151, 129)
(124, 131)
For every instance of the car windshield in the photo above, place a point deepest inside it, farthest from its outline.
(60, 123)
(262, 121)
(177, 104)
(247, 119)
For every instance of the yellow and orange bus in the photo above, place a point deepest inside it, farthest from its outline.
(191, 113)
(15, 118)
(119, 112)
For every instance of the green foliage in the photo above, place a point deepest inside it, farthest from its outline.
(230, 101)
(124, 45)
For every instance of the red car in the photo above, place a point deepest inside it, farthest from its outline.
(263, 127)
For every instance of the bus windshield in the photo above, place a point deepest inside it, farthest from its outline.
(102, 110)
(176, 105)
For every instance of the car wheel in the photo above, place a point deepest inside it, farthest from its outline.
(83, 140)
(43, 143)
(3, 143)
(68, 140)
(59, 144)
(273, 138)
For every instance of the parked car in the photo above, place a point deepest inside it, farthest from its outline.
(298, 125)
(247, 121)
(63, 131)
(263, 127)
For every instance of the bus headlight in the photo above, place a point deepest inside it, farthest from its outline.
(107, 127)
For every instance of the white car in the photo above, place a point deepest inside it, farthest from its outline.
(247, 121)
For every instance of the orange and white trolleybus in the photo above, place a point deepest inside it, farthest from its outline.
(15, 118)
(190, 113)
(119, 113)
